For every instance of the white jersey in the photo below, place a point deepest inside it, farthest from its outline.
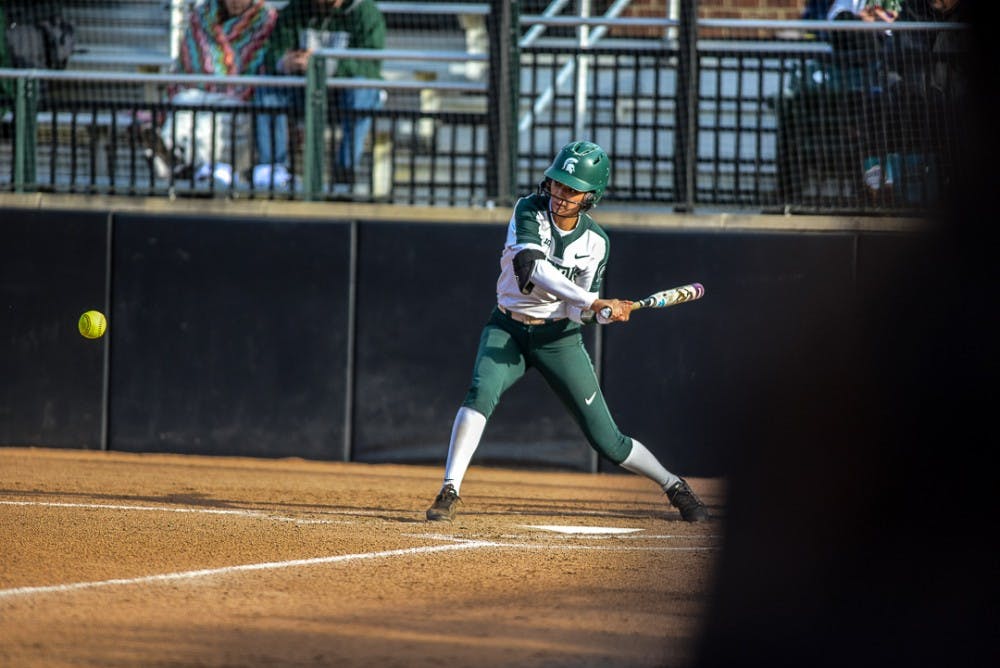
(568, 281)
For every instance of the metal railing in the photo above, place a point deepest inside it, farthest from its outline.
(775, 124)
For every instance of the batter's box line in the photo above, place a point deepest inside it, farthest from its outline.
(616, 537)
(254, 514)
(242, 568)
(561, 546)
(448, 537)
(607, 548)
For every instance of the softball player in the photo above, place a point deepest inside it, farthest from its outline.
(550, 277)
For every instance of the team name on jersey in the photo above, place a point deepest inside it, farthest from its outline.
(569, 272)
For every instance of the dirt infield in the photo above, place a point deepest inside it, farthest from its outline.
(115, 559)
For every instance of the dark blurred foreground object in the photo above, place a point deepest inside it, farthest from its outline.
(861, 507)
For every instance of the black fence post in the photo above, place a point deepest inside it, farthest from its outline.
(686, 128)
(503, 26)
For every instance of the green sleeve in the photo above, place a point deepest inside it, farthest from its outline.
(366, 26)
(595, 285)
(598, 280)
(526, 222)
(291, 19)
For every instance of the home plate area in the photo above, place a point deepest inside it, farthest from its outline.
(570, 537)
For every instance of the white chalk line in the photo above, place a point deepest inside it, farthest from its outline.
(611, 537)
(456, 543)
(257, 514)
(606, 548)
(550, 545)
(225, 570)
(582, 530)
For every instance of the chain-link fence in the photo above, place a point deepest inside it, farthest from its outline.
(466, 103)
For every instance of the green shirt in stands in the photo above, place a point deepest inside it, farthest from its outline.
(360, 19)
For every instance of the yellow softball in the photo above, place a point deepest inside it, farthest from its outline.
(92, 324)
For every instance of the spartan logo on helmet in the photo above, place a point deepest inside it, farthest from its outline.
(583, 166)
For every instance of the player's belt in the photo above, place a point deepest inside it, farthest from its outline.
(526, 319)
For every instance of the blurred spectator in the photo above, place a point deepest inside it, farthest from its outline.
(224, 37)
(6, 85)
(303, 27)
(816, 10)
(866, 10)
(929, 83)
(860, 58)
(949, 77)
(35, 35)
(862, 51)
(928, 58)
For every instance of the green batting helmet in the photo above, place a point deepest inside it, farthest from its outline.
(583, 166)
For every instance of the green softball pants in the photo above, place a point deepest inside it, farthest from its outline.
(508, 349)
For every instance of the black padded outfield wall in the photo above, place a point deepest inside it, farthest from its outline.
(54, 269)
(677, 378)
(424, 293)
(230, 336)
(340, 339)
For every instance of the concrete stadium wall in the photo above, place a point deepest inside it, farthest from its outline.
(348, 331)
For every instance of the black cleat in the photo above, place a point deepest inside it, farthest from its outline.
(685, 500)
(445, 505)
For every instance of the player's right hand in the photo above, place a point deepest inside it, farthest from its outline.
(621, 310)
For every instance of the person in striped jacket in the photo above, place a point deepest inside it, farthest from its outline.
(222, 37)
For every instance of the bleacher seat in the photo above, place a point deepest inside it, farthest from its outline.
(121, 35)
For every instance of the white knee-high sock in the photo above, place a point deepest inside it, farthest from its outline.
(644, 462)
(465, 435)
